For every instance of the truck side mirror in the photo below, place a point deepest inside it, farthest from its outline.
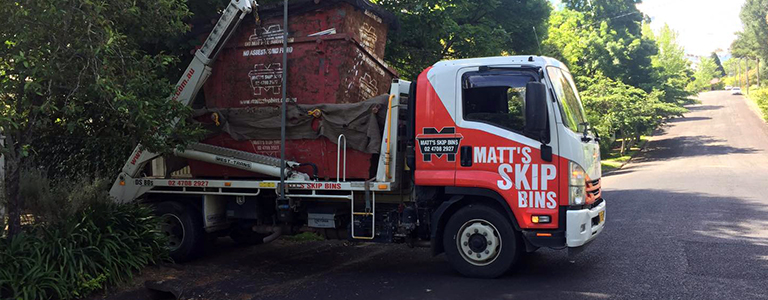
(536, 111)
(536, 116)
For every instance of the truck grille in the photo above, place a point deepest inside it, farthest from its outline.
(593, 190)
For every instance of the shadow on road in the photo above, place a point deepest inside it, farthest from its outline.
(703, 107)
(688, 119)
(650, 236)
(720, 237)
(689, 146)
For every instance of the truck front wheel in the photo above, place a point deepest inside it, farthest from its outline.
(183, 227)
(480, 242)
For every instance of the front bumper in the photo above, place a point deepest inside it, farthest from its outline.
(583, 225)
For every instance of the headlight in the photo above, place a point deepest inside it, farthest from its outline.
(577, 184)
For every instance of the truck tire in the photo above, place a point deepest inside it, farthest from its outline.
(246, 237)
(183, 225)
(480, 242)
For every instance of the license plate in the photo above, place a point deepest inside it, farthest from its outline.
(602, 216)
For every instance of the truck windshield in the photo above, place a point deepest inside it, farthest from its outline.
(570, 104)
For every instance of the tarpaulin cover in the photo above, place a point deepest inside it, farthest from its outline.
(361, 123)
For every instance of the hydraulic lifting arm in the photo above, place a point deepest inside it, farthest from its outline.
(187, 88)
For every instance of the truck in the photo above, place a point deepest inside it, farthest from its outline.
(483, 159)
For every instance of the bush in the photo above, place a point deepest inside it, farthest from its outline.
(622, 112)
(54, 201)
(760, 96)
(101, 243)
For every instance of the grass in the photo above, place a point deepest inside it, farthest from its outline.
(615, 160)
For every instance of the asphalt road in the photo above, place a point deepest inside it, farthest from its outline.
(686, 220)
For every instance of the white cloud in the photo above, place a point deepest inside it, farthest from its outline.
(703, 25)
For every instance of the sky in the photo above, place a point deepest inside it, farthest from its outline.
(703, 25)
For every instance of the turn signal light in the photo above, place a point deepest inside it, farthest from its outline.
(540, 219)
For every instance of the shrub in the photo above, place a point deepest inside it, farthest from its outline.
(101, 244)
(620, 111)
(760, 96)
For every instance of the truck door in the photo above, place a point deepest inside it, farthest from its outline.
(496, 153)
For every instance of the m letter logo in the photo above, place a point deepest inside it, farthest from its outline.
(438, 143)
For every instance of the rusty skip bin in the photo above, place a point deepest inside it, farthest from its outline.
(335, 51)
(334, 56)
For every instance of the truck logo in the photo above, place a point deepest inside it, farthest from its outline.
(136, 156)
(368, 37)
(438, 143)
(267, 35)
(368, 87)
(266, 79)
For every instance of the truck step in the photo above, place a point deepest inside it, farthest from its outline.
(252, 157)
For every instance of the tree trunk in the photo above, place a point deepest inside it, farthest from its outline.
(623, 143)
(746, 70)
(738, 68)
(12, 181)
(758, 72)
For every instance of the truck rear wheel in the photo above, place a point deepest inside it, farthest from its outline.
(480, 242)
(183, 226)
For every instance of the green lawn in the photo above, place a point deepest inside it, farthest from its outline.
(615, 160)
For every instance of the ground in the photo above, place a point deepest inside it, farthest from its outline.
(686, 219)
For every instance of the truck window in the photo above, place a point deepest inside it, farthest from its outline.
(497, 99)
(568, 98)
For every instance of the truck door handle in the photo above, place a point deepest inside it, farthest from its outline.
(466, 156)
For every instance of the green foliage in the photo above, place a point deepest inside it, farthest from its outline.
(54, 201)
(631, 79)
(673, 71)
(101, 244)
(447, 29)
(620, 111)
(79, 68)
(751, 42)
(716, 59)
(760, 97)
(704, 76)
(82, 81)
(620, 15)
(594, 47)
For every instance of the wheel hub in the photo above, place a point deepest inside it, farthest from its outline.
(173, 229)
(479, 242)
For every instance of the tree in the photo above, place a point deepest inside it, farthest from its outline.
(671, 70)
(609, 32)
(449, 29)
(621, 15)
(620, 111)
(751, 43)
(719, 64)
(704, 75)
(630, 79)
(84, 69)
